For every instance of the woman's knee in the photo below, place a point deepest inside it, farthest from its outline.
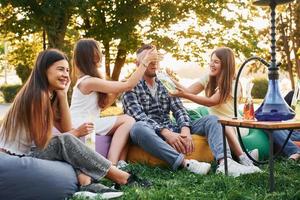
(129, 120)
(67, 137)
(126, 119)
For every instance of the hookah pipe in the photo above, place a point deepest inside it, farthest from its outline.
(264, 62)
(274, 107)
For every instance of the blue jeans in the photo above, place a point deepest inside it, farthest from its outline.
(144, 135)
(209, 127)
(290, 148)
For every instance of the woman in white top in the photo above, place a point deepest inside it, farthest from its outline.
(39, 106)
(92, 93)
(218, 85)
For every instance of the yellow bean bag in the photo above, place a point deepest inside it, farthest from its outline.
(202, 153)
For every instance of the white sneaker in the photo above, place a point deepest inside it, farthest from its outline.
(122, 164)
(244, 160)
(254, 154)
(235, 169)
(92, 195)
(197, 167)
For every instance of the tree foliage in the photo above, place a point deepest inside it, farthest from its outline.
(119, 25)
(289, 38)
(214, 23)
(27, 17)
(22, 54)
(186, 28)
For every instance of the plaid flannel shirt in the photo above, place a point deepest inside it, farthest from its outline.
(140, 104)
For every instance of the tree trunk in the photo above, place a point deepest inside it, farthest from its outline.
(107, 59)
(296, 34)
(56, 31)
(287, 52)
(56, 40)
(119, 63)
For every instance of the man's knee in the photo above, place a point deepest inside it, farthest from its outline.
(212, 119)
(140, 130)
(137, 128)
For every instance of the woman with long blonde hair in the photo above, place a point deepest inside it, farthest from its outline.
(42, 105)
(218, 86)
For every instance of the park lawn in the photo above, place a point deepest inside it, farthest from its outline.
(182, 184)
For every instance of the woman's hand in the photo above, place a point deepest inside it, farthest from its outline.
(83, 130)
(148, 56)
(172, 74)
(64, 92)
(179, 92)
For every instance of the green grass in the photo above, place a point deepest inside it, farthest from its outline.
(182, 184)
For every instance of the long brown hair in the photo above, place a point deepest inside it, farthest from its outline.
(31, 111)
(224, 82)
(84, 61)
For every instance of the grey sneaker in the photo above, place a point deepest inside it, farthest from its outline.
(254, 154)
(197, 167)
(244, 160)
(122, 164)
(235, 169)
(95, 189)
(91, 195)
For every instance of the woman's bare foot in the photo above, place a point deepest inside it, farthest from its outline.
(84, 180)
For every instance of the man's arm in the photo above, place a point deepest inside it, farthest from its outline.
(179, 112)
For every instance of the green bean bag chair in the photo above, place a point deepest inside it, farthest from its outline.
(257, 139)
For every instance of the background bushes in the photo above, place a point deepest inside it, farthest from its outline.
(260, 88)
(9, 92)
(23, 71)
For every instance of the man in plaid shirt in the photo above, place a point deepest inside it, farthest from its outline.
(150, 104)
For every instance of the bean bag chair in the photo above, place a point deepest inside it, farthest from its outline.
(103, 144)
(202, 110)
(31, 178)
(194, 114)
(257, 139)
(202, 153)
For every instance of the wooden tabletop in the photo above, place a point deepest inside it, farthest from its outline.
(260, 124)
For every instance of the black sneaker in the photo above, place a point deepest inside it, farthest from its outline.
(134, 181)
(95, 189)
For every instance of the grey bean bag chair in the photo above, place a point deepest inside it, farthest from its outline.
(32, 178)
